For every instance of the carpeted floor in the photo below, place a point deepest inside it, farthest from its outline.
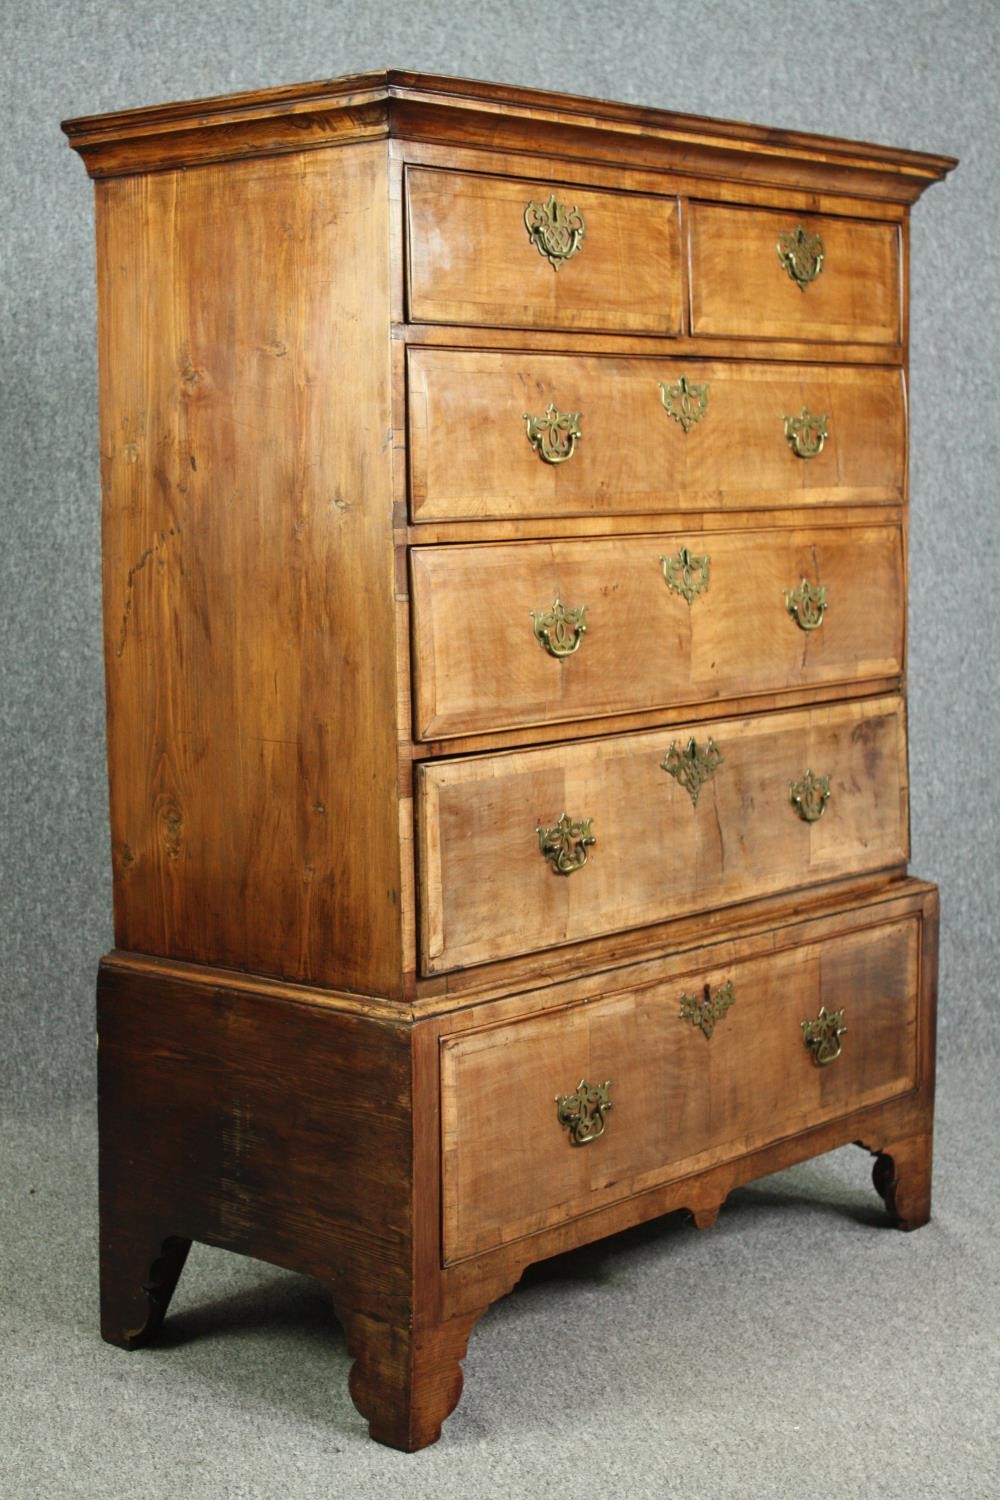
(800, 1349)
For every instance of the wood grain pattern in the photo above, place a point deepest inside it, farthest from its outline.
(486, 891)
(274, 1129)
(739, 286)
(479, 667)
(470, 259)
(632, 456)
(681, 1102)
(248, 567)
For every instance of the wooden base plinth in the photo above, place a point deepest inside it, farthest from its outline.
(308, 1137)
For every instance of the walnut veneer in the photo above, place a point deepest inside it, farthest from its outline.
(504, 639)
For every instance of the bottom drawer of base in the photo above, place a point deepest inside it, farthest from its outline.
(557, 1114)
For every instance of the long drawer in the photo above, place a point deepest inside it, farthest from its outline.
(544, 632)
(477, 254)
(696, 1070)
(766, 274)
(497, 434)
(678, 820)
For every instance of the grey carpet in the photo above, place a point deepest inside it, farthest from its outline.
(800, 1349)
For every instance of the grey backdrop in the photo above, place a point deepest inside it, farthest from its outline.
(918, 74)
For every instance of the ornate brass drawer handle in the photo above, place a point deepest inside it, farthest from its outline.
(692, 767)
(705, 1010)
(806, 605)
(685, 573)
(555, 231)
(566, 843)
(801, 254)
(555, 434)
(810, 796)
(686, 402)
(822, 1036)
(560, 630)
(582, 1113)
(806, 434)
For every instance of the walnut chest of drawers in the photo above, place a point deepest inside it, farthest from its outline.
(505, 608)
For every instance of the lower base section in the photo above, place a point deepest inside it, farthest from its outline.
(316, 1139)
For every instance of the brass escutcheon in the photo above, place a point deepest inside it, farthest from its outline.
(801, 254)
(555, 231)
(692, 767)
(806, 434)
(566, 843)
(706, 1009)
(685, 573)
(822, 1036)
(554, 435)
(810, 796)
(560, 630)
(806, 605)
(582, 1113)
(685, 402)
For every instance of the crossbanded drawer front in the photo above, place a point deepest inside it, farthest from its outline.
(764, 274)
(523, 633)
(509, 434)
(527, 849)
(677, 1100)
(519, 253)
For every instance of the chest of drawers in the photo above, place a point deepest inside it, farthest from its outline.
(505, 590)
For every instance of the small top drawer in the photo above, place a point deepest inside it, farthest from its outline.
(772, 275)
(512, 253)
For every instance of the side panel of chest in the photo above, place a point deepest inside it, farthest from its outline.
(248, 565)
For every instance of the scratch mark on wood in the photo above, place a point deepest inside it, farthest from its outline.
(136, 567)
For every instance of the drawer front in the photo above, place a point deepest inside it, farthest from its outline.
(544, 632)
(471, 258)
(741, 284)
(680, 1100)
(472, 455)
(674, 833)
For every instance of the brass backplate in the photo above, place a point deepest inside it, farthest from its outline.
(686, 573)
(553, 435)
(810, 796)
(806, 434)
(565, 844)
(560, 630)
(686, 402)
(706, 1010)
(555, 231)
(582, 1112)
(822, 1036)
(801, 254)
(806, 604)
(692, 767)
